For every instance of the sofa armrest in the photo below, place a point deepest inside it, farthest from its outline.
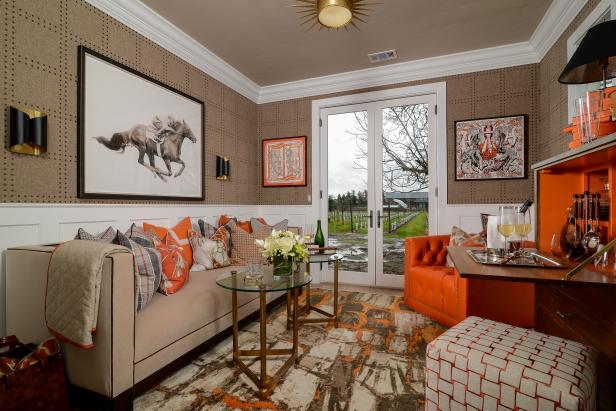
(108, 367)
(426, 250)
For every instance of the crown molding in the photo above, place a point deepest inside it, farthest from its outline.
(145, 21)
(429, 68)
(153, 26)
(555, 21)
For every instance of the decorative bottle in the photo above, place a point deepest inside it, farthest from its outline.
(319, 239)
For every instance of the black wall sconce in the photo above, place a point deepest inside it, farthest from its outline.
(222, 168)
(28, 131)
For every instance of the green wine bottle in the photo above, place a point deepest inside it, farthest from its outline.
(319, 239)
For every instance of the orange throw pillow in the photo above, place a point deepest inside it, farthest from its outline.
(179, 233)
(175, 267)
(244, 225)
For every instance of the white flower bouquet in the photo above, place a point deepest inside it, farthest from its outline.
(281, 248)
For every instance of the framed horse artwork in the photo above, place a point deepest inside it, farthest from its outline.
(138, 138)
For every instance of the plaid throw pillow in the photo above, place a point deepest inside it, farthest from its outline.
(244, 249)
(147, 269)
(107, 236)
(139, 236)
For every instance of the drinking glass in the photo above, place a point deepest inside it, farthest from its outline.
(506, 225)
(556, 247)
(523, 226)
(308, 232)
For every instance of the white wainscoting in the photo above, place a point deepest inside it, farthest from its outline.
(31, 224)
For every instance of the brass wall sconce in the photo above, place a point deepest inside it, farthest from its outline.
(28, 131)
(222, 168)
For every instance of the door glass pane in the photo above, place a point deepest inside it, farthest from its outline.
(347, 182)
(405, 180)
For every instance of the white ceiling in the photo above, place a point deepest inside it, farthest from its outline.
(264, 40)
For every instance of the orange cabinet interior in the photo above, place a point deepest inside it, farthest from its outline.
(556, 185)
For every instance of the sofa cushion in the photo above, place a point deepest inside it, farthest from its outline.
(244, 225)
(175, 266)
(428, 285)
(207, 253)
(244, 249)
(179, 232)
(261, 230)
(108, 236)
(169, 318)
(460, 237)
(148, 269)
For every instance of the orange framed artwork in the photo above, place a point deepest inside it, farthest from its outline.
(284, 162)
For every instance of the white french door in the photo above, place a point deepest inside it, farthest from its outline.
(378, 162)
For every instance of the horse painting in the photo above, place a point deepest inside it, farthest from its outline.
(169, 150)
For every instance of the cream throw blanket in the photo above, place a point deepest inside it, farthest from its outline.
(73, 289)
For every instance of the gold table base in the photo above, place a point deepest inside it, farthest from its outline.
(265, 383)
(306, 308)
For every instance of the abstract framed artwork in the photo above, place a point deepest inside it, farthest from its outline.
(491, 148)
(284, 162)
(138, 138)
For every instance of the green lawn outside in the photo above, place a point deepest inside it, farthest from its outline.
(415, 227)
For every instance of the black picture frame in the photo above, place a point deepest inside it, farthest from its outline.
(83, 52)
(264, 143)
(525, 151)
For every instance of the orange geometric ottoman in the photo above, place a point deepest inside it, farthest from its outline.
(487, 365)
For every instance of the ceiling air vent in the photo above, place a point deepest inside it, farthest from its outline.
(382, 56)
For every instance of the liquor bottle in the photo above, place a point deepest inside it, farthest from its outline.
(570, 233)
(525, 206)
(319, 239)
(604, 205)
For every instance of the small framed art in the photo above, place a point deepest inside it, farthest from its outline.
(284, 162)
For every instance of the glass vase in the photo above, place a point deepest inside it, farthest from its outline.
(282, 267)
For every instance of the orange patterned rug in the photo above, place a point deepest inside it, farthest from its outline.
(374, 360)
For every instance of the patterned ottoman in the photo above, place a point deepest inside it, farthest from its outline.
(487, 365)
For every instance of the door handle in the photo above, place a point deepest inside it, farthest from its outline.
(371, 217)
(378, 218)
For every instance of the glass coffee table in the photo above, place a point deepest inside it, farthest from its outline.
(324, 258)
(237, 282)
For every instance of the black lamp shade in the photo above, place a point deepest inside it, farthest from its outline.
(222, 168)
(596, 52)
(28, 131)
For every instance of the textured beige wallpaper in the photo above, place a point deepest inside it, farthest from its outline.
(38, 67)
(476, 95)
(553, 107)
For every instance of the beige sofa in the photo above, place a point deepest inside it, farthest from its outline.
(129, 347)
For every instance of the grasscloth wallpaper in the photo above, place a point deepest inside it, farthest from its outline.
(484, 94)
(553, 107)
(38, 68)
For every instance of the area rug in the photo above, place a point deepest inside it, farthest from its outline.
(374, 360)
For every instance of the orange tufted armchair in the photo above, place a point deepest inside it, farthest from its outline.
(436, 290)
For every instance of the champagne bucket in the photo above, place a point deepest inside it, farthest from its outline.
(494, 238)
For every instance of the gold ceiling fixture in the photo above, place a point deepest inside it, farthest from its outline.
(333, 14)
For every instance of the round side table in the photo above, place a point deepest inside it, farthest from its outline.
(237, 282)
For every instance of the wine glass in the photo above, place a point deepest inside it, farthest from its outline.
(556, 247)
(523, 226)
(308, 232)
(506, 225)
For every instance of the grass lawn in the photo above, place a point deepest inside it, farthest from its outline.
(415, 227)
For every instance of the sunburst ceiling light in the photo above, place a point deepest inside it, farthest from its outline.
(333, 14)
